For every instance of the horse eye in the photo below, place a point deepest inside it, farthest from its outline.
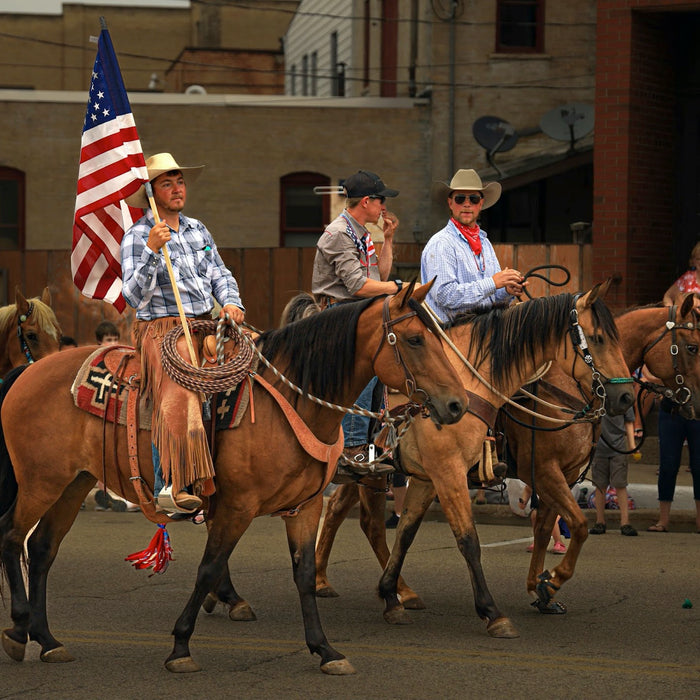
(415, 341)
(597, 339)
(32, 337)
(692, 349)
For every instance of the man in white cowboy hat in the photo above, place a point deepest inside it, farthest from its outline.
(179, 439)
(461, 257)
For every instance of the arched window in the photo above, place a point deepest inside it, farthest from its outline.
(303, 214)
(11, 209)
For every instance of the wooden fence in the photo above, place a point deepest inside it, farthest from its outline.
(268, 278)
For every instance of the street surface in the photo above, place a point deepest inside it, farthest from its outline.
(626, 634)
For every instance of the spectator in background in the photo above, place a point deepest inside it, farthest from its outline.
(689, 281)
(67, 341)
(107, 333)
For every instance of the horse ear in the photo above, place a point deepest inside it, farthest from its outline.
(598, 292)
(421, 290)
(21, 302)
(688, 304)
(46, 296)
(406, 294)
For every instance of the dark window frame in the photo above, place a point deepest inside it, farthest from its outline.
(538, 45)
(8, 174)
(297, 179)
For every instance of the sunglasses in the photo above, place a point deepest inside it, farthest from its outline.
(462, 198)
(379, 197)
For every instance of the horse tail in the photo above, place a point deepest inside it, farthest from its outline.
(300, 306)
(8, 483)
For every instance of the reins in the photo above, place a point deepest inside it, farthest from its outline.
(24, 347)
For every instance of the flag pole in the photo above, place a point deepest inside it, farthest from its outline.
(171, 274)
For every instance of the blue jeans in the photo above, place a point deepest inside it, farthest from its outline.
(356, 428)
(158, 482)
(673, 429)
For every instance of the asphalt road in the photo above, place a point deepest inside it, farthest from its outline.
(626, 633)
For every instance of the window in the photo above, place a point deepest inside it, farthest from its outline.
(305, 75)
(333, 68)
(11, 209)
(314, 70)
(520, 26)
(303, 214)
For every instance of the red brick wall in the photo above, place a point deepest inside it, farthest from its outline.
(634, 143)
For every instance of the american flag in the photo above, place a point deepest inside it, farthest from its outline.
(112, 167)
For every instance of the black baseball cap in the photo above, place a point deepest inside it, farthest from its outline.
(365, 184)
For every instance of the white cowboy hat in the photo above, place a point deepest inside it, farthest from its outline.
(470, 180)
(157, 165)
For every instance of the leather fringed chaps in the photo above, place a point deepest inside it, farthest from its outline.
(177, 430)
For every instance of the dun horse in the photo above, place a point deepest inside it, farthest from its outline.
(507, 346)
(28, 331)
(667, 340)
(332, 355)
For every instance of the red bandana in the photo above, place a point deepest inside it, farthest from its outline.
(471, 234)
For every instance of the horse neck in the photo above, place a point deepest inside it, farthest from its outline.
(639, 328)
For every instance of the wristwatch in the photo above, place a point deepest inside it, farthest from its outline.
(399, 285)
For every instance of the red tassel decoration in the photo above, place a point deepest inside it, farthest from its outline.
(158, 554)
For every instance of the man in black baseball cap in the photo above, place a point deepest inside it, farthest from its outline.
(347, 268)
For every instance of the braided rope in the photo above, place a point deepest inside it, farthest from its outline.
(209, 380)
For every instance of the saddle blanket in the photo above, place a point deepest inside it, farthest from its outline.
(95, 388)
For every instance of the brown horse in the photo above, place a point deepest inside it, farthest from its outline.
(666, 340)
(507, 346)
(332, 355)
(28, 331)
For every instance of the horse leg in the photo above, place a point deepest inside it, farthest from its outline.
(373, 524)
(419, 496)
(301, 536)
(239, 609)
(339, 505)
(543, 590)
(543, 585)
(42, 548)
(225, 532)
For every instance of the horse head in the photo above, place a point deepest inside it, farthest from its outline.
(672, 355)
(409, 355)
(37, 331)
(598, 359)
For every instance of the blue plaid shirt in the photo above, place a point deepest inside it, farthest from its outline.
(464, 281)
(199, 271)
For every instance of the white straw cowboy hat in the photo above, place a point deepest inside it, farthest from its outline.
(157, 165)
(470, 180)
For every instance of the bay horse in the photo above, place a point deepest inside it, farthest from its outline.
(666, 340)
(507, 346)
(261, 467)
(28, 331)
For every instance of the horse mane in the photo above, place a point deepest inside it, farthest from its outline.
(44, 314)
(510, 336)
(300, 306)
(318, 352)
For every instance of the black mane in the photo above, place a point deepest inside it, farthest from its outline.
(317, 353)
(510, 336)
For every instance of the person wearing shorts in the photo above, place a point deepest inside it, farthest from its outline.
(609, 468)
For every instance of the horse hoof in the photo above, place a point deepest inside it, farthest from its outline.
(397, 616)
(326, 591)
(210, 603)
(59, 655)
(502, 628)
(15, 650)
(184, 664)
(415, 602)
(242, 612)
(550, 607)
(340, 667)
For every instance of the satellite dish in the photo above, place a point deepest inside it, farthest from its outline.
(569, 122)
(495, 135)
(195, 90)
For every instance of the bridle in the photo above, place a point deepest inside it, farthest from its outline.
(682, 394)
(598, 380)
(24, 347)
(390, 338)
